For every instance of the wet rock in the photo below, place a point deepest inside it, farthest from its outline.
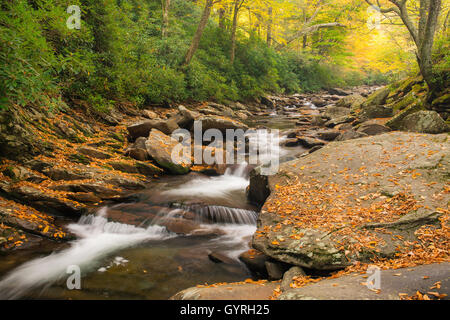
(258, 190)
(393, 282)
(137, 154)
(42, 200)
(289, 276)
(314, 149)
(327, 135)
(179, 225)
(275, 269)
(309, 142)
(338, 91)
(335, 112)
(290, 142)
(255, 262)
(375, 111)
(319, 102)
(160, 146)
(126, 183)
(85, 197)
(143, 128)
(98, 189)
(65, 174)
(218, 257)
(377, 98)
(20, 173)
(220, 123)
(371, 128)
(148, 169)
(425, 122)
(150, 114)
(352, 101)
(94, 153)
(185, 118)
(334, 123)
(268, 102)
(351, 134)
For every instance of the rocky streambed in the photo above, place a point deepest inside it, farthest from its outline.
(107, 196)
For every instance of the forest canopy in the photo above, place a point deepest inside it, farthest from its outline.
(161, 51)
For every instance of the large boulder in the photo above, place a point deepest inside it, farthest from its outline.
(375, 111)
(94, 153)
(346, 202)
(220, 123)
(353, 101)
(160, 146)
(372, 128)
(424, 122)
(377, 98)
(394, 283)
(143, 128)
(396, 123)
(334, 112)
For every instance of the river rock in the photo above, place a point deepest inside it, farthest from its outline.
(94, 153)
(218, 257)
(353, 101)
(375, 111)
(150, 114)
(143, 128)
(334, 112)
(160, 146)
(220, 123)
(137, 153)
(257, 191)
(309, 142)
(393, 283)
(372, 128)
(327, 135)
(42, 200)
(289, 276)
(425, 122)
(350, 134)
(255, 262)
(290, 226)
(377, 98)
(231, 291)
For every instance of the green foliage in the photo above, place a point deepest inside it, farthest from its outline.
(119, 55)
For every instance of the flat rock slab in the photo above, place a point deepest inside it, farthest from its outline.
(246, 291)
(392, 282)
(353, 200)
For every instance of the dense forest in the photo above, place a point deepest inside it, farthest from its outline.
(136, 50)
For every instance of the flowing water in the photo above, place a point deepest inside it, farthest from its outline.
(149, 249)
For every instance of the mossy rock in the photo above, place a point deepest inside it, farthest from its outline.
(80, 158)
(396, 122)
(377, 98)
(404, 102)
(442, 100)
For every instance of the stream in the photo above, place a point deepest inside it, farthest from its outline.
(151, 248)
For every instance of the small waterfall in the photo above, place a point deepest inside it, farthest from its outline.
(214, 187)
(97, 239)
(220, 214)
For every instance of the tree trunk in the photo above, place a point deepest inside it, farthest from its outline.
(165, 23)
(233, 30)
(422, 34)
(198, 34)
(222, 18)
(269, 29)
